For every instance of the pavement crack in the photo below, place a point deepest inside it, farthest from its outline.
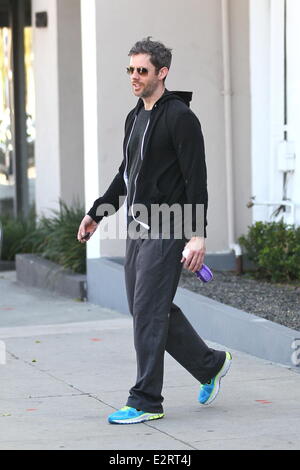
(170, 435)
(13, 355)
(148, 425)
(43, 371)
(101, 401)
(59, 396)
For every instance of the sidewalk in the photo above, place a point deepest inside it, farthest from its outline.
(70, 364)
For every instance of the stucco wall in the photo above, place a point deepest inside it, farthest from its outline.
(193, 30)
(58, 90)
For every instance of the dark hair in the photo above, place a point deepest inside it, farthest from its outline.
(160, 55)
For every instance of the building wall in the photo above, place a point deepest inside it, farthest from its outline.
(70, 101)
(260, 37)
(194, 31)
(47, 107)
(58, 90)
(293, 40)
(241, 113)
(267, 114)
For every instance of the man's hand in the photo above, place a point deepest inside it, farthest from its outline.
(195, 258)
(86, 229)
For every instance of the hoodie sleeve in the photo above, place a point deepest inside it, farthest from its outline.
(189, 145)
(112, 196)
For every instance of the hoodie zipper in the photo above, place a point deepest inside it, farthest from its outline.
(125, 171)
(142, 158)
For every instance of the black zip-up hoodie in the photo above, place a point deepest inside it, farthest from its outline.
(172, 166)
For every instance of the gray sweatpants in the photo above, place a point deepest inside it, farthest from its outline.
(152, 272)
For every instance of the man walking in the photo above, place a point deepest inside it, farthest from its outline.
(164, 163)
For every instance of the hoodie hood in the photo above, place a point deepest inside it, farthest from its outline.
(184, 96)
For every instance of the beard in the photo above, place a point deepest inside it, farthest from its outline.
(149, 89)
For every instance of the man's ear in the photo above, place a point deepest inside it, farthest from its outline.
(163, 72)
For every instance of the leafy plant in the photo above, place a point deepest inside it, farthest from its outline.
(275, 249)
(14, 233)
(53, 238)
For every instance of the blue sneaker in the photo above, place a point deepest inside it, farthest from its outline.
(128, 415)
(210, 390)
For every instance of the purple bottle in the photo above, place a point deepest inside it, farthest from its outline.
(204, 274)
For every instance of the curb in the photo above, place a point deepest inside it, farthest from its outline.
(213, 320)
(35, 271)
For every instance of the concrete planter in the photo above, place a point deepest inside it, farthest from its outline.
(35, 271)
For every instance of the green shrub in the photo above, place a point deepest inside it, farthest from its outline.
(53, 238)
(275, 249)
(14, 232)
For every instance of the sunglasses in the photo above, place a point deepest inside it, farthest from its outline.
(140, 70)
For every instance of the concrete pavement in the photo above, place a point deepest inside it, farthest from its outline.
(70, 364)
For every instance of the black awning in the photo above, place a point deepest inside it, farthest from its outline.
(4, 12)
